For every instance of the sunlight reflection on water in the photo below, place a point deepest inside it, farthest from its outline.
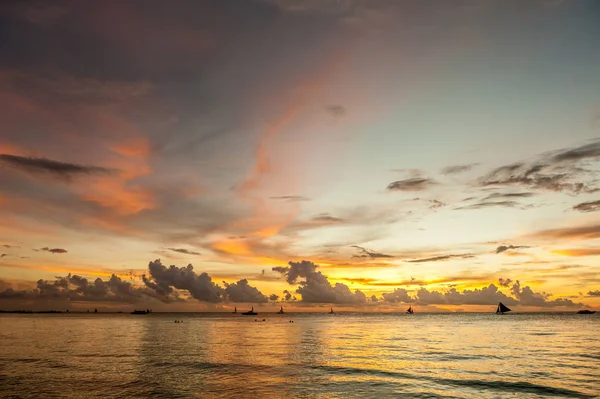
(340, 356)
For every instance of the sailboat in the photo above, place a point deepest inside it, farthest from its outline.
(251, 312)
(331, 311)
(235, 310)
(502, 308)
(410, 310)
(280, 310)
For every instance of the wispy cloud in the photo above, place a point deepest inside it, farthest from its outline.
(291, 198)
(441, 258)
(412, 184)
(576, 252)
(327, 218)
(456, 169)
(591, 206)
(184, 251)
(594, 293)
(504, 248)
(53, 250)
(509, 195)
(56, 169)
(368, 253)
(484, 205)
(336, 110)
(569, 233)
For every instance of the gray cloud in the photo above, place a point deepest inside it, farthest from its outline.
(10, 246)
(273, 297)
(315, 288)
(594, 293)
(184, 251)
(75, 288)
(243, 292)
(504, 282)
(3, 255)
(336, 110)
(441, 258)
(53, 250)
(592, 206)
(484, 205)
(558, 171)
(455, 169)
(587, 151)
(503, 248)
(164, 280)
(412, 184)
(291, 198)
(288, 295)
(527, 297)
(56, 169)
(399, 295)
(435, 204)
(327, 218)
(368, 253)
(508, 195)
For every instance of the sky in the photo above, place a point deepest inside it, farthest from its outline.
(367, 155)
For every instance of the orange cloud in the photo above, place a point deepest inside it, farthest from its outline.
(577, 252)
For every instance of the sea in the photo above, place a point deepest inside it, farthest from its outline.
(344, 355)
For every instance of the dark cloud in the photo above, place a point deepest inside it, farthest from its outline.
(75, 288)
(243, 292)
(503, 248)
(184, 251)
(593, 293)
(399, 295)
(3, 255)
(527, 297)
(592, 206)
(53, 250)
(291, 198)
(435, 204)
(489, 295)
(281, 269)
(336, 110)
(273, 297)
(504, 282)
(558, 171)
(368, 253)
(10, 246)
(455, 169)
(508, 195)
(587, 151)
(314, 287)
(484, 205)
(164, 281)
(441, 258)
(288, 295)
(56, 169)
(412, 184)
(327, 218)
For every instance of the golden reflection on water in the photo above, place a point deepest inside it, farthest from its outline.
(346, 355)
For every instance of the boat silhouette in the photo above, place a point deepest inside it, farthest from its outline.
(251, 312)
(410, 310)
(280, 310)
(585, 311)
(502, 308)
(234, 310)
(331, 311)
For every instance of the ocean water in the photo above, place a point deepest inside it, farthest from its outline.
(317, 356)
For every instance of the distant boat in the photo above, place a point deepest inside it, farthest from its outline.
(251, 312)
(502, 308)
(331, 311)
(234, 310)
(280, 310)
(141, 311)
(585, 311)
(410, 310)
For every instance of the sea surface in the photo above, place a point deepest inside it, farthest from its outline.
(346, 355)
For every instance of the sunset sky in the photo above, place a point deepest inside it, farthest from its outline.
(433, 153)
